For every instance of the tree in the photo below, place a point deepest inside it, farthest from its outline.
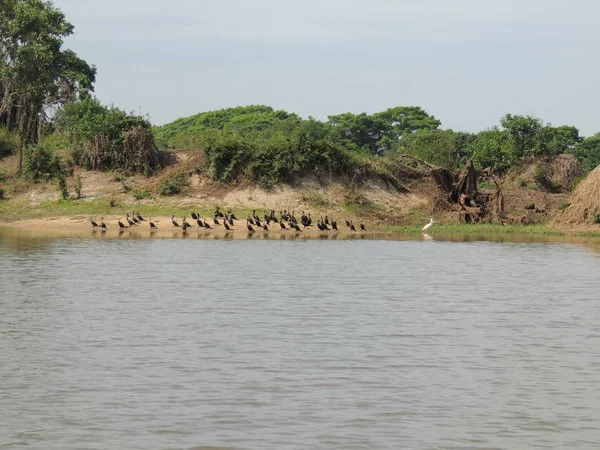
(380, 132)
(588, 152)
(493, 149)
(402, 120)
(359, 131)
(524, 132)
(35, 73)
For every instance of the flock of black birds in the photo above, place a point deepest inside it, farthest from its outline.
(285, 221)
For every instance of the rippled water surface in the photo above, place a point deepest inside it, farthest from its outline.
(187, 344)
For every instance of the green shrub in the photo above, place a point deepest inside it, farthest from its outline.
(173, 184)
(542, 180)
(62, 185)
(41, 164)
(140, 194)
(8, 142)
(78, 186)
(597, 218)
(107, 138)
(1, 194)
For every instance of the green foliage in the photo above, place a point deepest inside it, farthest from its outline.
(261, 115)
(379, 132)
(8, 142)
(98, 135)
(437, 147)
(78, 186)
(56, 141)
(492, 148)
(597, 218)
(541, 179)
(41, 164)
(140, 194)
(173, 184)
(588, 152)
(62, 185)
(1, 194)
(33, 66)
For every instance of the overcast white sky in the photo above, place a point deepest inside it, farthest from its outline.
(467, 62)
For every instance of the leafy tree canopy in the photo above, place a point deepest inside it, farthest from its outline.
(35, 72)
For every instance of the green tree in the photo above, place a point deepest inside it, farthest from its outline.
(381, 131)
(35, 72)
(493, 148)
(403, 120)
(588, 152)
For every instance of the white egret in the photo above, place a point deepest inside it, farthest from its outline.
(428, 226)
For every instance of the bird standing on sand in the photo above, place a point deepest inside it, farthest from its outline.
(94, 224)
(174, 222)
(102, 224)
(428, 226)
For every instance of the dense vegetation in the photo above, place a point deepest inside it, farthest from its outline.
(269, 146)
(46, 105)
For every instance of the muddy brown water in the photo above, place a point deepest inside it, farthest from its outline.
(355, 343)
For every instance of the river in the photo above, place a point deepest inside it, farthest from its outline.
(297, 344)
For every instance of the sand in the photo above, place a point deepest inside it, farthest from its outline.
(81, 227)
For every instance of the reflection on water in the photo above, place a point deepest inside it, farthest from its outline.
(281, 342)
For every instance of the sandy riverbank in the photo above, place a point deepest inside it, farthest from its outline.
(81, 227)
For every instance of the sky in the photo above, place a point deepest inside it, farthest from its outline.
(467, 62)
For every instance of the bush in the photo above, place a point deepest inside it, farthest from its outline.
(41, 164)
(1, 194)
(140, 194)
(8, 142)
(107, 138)
(78, 186)
(173, 184)
(62, 185)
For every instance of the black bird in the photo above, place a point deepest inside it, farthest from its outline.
(129, 221)
(232, 216)
(282, 225)
(250, 221)
(102, 224)
(206, 225)
(265, 227)
(140, 218)
(226, 225)
(186, 226)
(334, 224)
(231, 219)
(199, 222)
(257, 222)
(135, 219)
(186, 223)
(326, 221)
(362, 227)
(297, 227)
(249, 226)
(152, 224)
(121, 225)
(174, 222)
(352, 226)
(216, 221)
(347, 223)
(194, 216)
(94, 224)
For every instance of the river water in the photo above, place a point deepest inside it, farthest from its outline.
(297, 344)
